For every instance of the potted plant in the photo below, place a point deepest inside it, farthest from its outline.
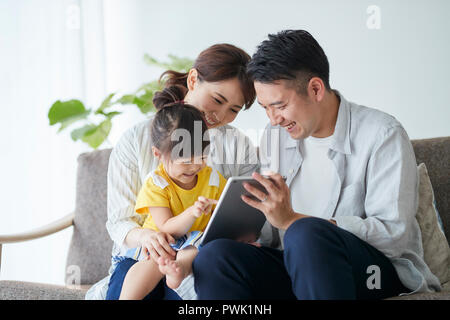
(94, 125)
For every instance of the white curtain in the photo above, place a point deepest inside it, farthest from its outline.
(50, 50)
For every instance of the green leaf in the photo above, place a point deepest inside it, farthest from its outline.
(176, 63)
(145, 102)
(79, 133)
(112, 114)
(127, 99)
(92, 134)
(153, 62)
(67, 112)
(151, 86)
(180, 64)
(105, 104)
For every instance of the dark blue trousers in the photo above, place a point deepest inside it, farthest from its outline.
(319, 261)
(161, 292)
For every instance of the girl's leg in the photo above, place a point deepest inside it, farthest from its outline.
(176, 270)
(141, 278)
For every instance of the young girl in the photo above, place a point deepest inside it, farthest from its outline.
(178, 197)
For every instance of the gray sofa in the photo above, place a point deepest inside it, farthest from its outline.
(90, 246)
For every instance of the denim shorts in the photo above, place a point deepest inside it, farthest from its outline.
(189, 239)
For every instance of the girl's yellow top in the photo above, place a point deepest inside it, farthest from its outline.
(160, 191)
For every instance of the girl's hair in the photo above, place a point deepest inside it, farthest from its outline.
(179, 125)
(217, 63)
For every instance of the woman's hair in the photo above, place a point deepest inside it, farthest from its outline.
(178, 128)
(218, 63)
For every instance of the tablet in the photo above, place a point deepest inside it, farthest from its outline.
(233, 218)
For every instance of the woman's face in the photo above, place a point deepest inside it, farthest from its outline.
(220, 102)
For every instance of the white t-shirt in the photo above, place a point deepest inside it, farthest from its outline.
(312, 186)
(314, 180)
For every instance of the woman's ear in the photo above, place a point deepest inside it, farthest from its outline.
(192, 79)
(156, 152)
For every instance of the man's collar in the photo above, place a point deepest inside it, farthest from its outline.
(341, 135)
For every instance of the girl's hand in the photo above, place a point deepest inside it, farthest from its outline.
(156, 244)
(202, 206)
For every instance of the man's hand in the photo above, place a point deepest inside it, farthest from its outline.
(276, 205)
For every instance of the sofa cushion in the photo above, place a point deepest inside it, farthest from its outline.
(20, 290)
(435, 246)
(435, 153)
(89, 256)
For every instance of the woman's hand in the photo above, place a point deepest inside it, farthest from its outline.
(202, 206)
(155, 244)
(276, 205)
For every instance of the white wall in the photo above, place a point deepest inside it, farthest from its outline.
(401, 68)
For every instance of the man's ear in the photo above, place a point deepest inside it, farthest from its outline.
(316, 89)
(192, 79)
(156, 152)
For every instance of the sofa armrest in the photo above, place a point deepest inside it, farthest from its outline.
(40, 232)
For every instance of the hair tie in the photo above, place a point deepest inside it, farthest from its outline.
(179, 101)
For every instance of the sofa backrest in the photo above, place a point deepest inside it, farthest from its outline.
(90, 248)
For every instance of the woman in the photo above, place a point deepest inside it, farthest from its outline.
(218, 86)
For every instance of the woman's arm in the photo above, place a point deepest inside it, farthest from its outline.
(124, 182)
(123, 186)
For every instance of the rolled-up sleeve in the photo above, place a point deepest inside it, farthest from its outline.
(123, 186)
(391, 194)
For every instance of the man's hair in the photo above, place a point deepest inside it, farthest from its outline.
(290, 55)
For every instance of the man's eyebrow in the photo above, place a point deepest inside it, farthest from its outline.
(225, 99)
(273, 103)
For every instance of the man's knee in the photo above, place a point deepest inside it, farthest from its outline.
(307, 233)
(211, 254)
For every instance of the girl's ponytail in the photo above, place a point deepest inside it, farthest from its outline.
(169, 95)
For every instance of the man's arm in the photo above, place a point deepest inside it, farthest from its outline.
(391, 194)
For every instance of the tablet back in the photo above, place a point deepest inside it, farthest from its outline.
(232, 217)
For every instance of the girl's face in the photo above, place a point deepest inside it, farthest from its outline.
(182, 171)
(220, 102)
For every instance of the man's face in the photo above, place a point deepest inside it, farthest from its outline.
(284, 106)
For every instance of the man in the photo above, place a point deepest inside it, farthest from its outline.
(346, 213)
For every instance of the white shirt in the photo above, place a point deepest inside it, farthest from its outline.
(131, 160)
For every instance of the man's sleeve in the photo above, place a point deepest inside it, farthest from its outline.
(391, 194)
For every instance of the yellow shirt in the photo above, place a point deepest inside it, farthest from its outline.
(160, 191)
